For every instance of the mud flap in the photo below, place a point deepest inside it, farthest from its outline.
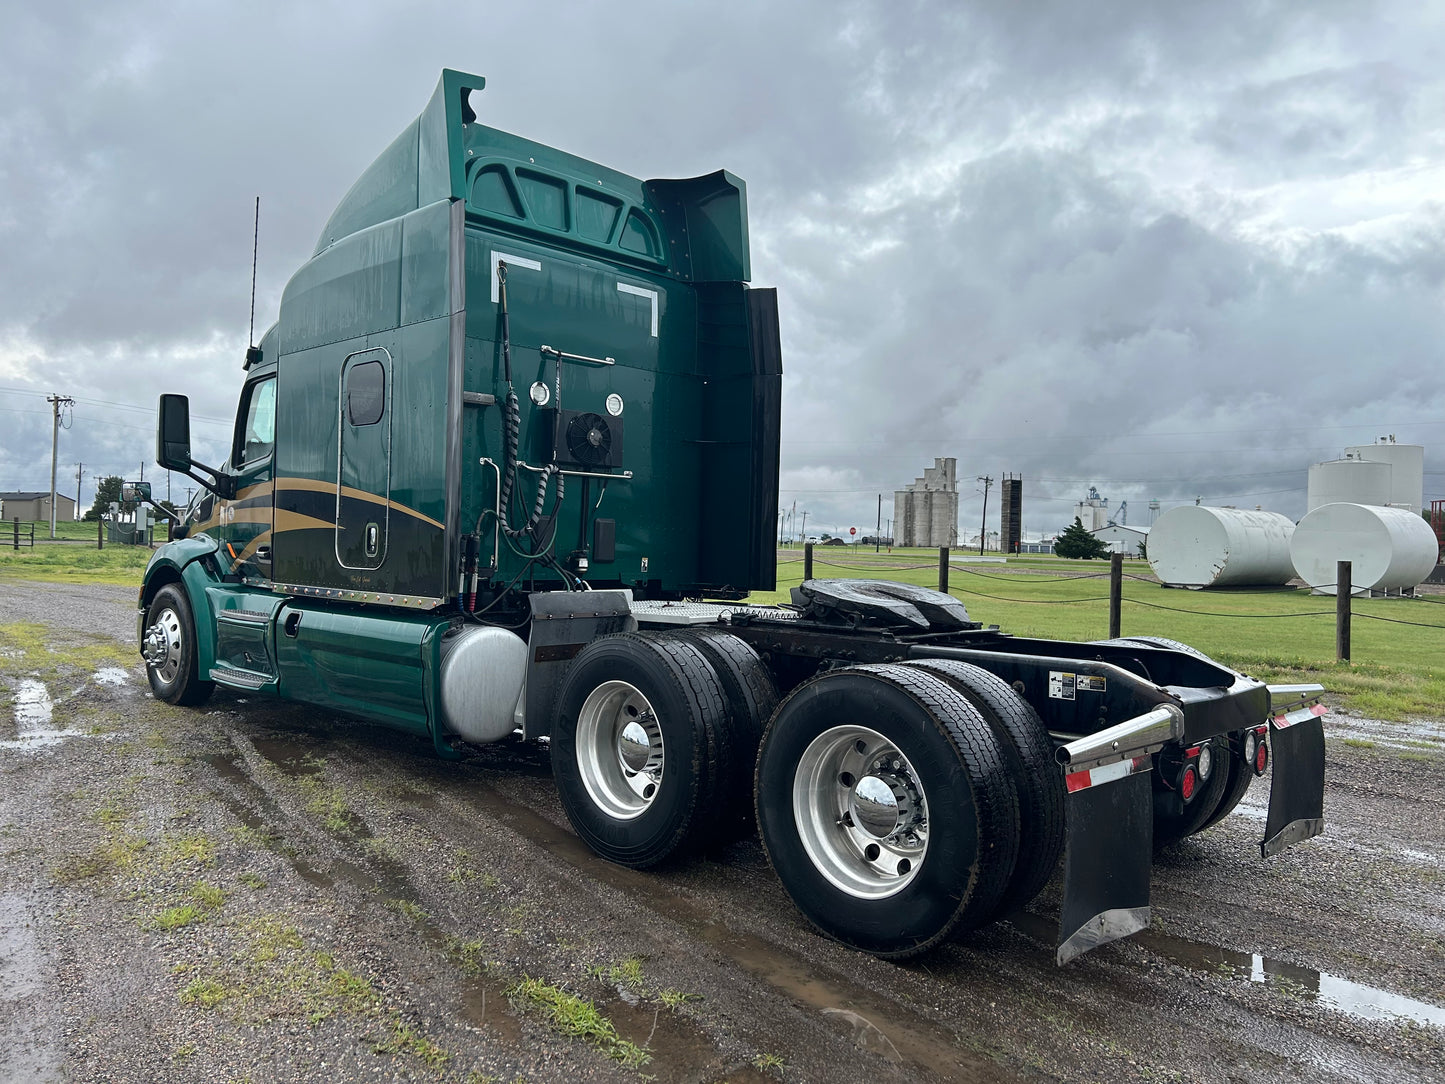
(1108, 855)
(1297, 784)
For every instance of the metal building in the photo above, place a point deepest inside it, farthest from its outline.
(926, 512)
(35, 507)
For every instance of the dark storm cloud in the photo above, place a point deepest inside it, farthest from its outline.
(1127, 242)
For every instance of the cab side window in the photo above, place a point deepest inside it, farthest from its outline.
(258, 434)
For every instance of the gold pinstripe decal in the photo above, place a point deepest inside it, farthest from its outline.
(314, 486)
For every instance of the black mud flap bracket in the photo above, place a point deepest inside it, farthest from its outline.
(1297, 781)
(1109, 841)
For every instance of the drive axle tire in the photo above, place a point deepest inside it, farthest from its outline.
(885, 808)
(169, 649)
(751, 699)
(635, 747)
(1241, 775)
(1028, 756)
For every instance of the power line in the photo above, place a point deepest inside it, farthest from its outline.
(116, 405)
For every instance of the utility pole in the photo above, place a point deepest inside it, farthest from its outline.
(56, 402)
(79, 474)
(983, 526)
(805, 525)
(877, 531)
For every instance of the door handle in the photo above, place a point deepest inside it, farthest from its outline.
(263, 553)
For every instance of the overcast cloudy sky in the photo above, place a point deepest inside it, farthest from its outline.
(1171, 250)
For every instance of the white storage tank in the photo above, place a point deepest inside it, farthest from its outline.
(1407, 471)
(1198, 546)
(1348, 481)
(1390, 549)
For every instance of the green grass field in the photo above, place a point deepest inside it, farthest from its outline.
(73, 558)
(1397, 670)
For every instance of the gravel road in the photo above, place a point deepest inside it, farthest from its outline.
(253, 891)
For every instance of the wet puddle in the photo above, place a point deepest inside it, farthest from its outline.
(112, 676)
(34, 712)
(1418, 736)
(26, 1048)
(1330, 991)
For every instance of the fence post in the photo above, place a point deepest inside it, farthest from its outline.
(807, 560)
(1343, 589)
(943, 568)
(1116, 592)
(17, 532)
(100, 533)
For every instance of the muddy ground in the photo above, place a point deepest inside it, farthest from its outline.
(260, 892)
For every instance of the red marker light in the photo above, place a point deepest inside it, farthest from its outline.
(1188, 783)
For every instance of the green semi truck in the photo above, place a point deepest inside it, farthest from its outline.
(506, 465)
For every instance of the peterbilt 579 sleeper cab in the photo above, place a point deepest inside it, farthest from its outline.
(397, 534)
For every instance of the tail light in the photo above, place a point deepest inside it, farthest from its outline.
(1256, 750)
(1189, 781)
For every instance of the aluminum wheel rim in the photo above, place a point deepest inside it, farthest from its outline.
(861, 813)
(619, 750)
(163, 645)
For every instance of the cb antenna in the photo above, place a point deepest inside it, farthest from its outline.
(252, 354)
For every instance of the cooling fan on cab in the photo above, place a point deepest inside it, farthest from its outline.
(588, 440)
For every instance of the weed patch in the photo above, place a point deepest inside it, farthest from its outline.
(404, 1039)
(119, 852)
(578, 1017)
(272, 974)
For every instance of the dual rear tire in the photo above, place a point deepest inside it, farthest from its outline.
(893, 800)
(654, 741)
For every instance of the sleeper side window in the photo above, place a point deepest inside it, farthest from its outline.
(365, 393)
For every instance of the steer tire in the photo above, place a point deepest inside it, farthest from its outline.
(1028, 756)
(178, 680)
(669, 689)
(836, 749)
(751, 699)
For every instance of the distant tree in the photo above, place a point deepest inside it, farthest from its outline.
(1144, 548)
(1075, 542)
(826, 536)
(107, 490)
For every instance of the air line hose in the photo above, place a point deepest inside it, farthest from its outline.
(512, 430)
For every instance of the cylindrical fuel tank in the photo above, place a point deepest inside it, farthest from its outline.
(1198, 546)
(1351, 481)
(1407, 472)
(1388, 548)
(483, 670)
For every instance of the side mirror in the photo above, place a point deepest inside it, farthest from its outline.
(173, 433)
(133, 492)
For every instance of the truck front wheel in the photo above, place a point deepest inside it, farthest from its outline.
(885, 808)
(169, 649)
(635, 747)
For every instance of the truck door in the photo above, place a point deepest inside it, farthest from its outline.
(244, 527)
(363, 471)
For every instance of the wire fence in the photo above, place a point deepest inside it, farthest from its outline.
(1343, 611)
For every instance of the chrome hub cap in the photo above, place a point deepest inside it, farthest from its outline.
(161, 648)
(861, 814)
(619, 749)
